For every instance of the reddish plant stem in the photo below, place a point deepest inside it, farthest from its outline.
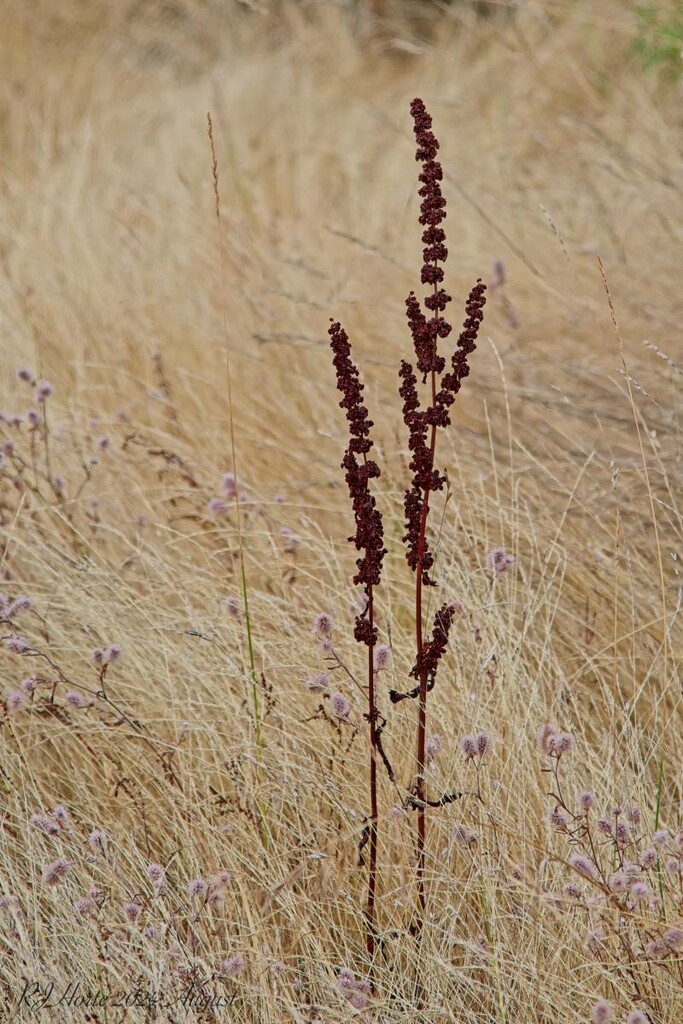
(372, 714)
(422, 706)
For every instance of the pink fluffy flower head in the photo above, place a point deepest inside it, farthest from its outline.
(232, 966)
(323, 625)
(43, 390)
(15, 700)
(381, 657)
(601, 1012)
(56, 871)
(433, 747)
(339, 705)
(498, 560)
(583, 865)
(16, 645)
(318, 682)
(45, 824)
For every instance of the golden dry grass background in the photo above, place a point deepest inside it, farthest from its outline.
(557, 149)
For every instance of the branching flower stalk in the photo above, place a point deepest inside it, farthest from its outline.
(422, 426)
(368, 539)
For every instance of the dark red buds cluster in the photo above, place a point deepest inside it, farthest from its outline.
(369, 535)
(425, 333)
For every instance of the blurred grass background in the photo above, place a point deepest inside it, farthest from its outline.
(560, 132)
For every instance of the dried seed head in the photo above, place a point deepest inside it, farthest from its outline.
(232, 966)
(381, 657)
(601, 1012)
(45, 824)
(339, 705)
(433, 746)
(498, 560)
(56, 871)
(318, 682)
(323, 624)
(583, 865)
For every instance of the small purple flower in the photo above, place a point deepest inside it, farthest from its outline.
(102, 443)
(635, 816)
(29, 685)
(661, 837)
(673, 937)
(111, 654)
(25, 374)
(18, 606)
(229, 485)
(232, 966)
(640, 891)
(433, 747)
(601, 1012)
(586, 801)
(318, 682)
(16, 645)
(97, 841)
(45, 824)
(637, 1017)
(339, 705)
(483, 741)
(132, 912)
(468, 745)
(381, 657)
(15, 700)
(622, 833)
(558, 818)
(583, 865)
(323, 624)
(84, 907)
(196, 887)
(33, 418)
(77, 700)
(155, 873)
(217, 507)
(499, 560)
(672, 865)
(545, 734)
(346, 980)
(560, 743)
(43, 390)
(232, 607)
(648, 857)
(56, 871)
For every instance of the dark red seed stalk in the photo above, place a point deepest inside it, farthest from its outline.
(423, 423)
(368, 539)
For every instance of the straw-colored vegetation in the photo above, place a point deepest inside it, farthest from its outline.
(559, 147)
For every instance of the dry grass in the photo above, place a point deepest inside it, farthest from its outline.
(557, 150)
